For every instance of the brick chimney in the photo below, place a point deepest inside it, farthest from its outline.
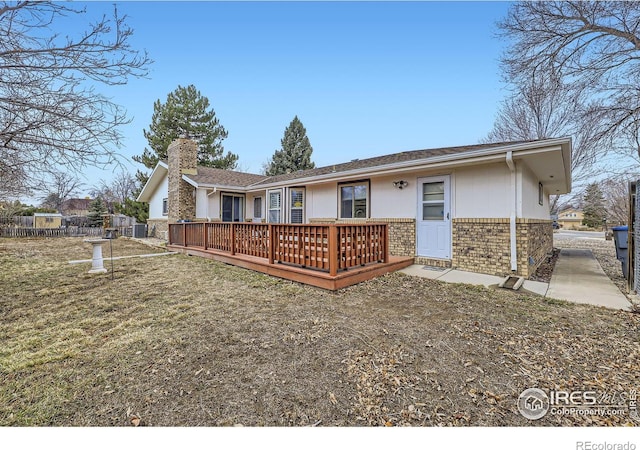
(183, 159)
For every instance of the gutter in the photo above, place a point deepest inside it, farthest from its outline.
(512, 217)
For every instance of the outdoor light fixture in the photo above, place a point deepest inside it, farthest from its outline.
(400, 184)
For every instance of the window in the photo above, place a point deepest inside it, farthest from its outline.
(353, 200)
(540, 194)
(257, 207)
(165, 206)
(433, 201)
(297, 205)
(275, 206)
(232, 208)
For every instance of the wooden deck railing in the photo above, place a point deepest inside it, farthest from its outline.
(328, 248)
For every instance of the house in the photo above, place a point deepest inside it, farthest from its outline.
(75, 207)
(570, 219)
(481, 208)
(47, 220)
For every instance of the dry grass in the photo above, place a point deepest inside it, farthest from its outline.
(184, 341)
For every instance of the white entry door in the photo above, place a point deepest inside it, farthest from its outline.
(433, 220)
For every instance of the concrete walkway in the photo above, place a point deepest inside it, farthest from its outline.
(460, 276)
(577, 278)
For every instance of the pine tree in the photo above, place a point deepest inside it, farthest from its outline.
(132, 208)
(186, 113)
(96, 209)
(593, 208)
(295, 153)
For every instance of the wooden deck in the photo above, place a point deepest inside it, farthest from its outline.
(327, 256)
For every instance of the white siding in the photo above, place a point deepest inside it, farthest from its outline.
(213, 205)
(482, 192)
(388, 201)
(322, 201)
(155, 203)
(528, 206)
(201, 204)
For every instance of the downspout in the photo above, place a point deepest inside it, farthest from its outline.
(215, 189)
(512, 217)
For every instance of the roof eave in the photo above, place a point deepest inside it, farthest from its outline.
(197, 185)
(159, 171)
(483, 155)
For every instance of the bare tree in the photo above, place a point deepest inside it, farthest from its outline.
(542, 107)
(50, 111)
(593, 46)
(61, 187)
(121, 188)
(616, 194)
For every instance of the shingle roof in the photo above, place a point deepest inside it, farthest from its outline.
(381, 161)
(207, 175)
(76, 203)
(220, 177)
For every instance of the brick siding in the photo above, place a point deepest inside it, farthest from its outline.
(161, 230)
(535, 241)
(402, 232)
(183, 158)
(483, 245)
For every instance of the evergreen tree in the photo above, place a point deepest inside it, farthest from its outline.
(96, 209)
(295, 153)
(593, 208)
(186, 113)
(132, 208)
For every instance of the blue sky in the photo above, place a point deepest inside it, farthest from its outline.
(365, 78)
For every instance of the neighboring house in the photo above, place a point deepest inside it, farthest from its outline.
(75, 207)
(570, 219)
(482, 208)
(47, 220)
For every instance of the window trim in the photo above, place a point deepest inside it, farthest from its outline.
(244, 206)
(259, 216)
(540, 194)
(165, 206)
(437, 202)
(304, 201)
(367, 184)
(268, 205)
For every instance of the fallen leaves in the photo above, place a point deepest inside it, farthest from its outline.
(382, 387)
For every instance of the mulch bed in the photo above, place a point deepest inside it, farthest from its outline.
(545, 270)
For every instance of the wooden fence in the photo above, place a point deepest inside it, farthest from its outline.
(328, 247)
(21, 232)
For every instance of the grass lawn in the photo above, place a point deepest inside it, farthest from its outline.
(184, 341)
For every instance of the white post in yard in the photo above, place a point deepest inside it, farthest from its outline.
(97, 263)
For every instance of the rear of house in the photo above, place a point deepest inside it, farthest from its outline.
(482, 208)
